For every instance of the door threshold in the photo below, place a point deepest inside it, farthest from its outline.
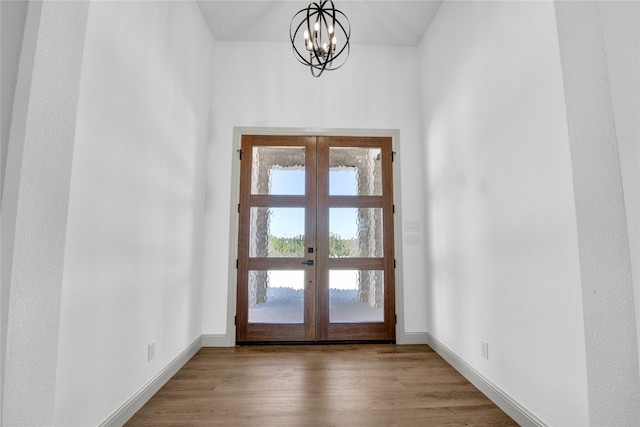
(345, 342)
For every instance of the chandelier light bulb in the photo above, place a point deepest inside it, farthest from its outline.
(321, 49)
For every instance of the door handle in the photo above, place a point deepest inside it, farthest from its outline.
(309, 262)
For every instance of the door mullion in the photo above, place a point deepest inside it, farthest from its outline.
(323, 238)
(311, 249)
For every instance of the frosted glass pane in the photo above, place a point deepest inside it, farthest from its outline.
(276, 296)
(356, 296)
(276, 232)
(355, 232)
(278, 170)
(355, 171)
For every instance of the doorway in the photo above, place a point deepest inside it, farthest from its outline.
(315, 242)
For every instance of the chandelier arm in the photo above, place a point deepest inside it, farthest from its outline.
(327, 54)
(308, 20)
(292, 35)
(320, 54)
(317, 35)
(345, 31)
(321, 68)
(333, 16)
(347, 35)
(343, 62)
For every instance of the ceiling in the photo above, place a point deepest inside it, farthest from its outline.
(393, 23)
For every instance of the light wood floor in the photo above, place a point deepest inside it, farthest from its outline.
(332, 385)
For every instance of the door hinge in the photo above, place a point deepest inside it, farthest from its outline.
(396, 319)
(238, 207)
(239, 154)
(236, 263)
(394, 263)
(235, 320)
(393, 156)
(393, 209)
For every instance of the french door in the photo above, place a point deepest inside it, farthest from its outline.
(315, 246)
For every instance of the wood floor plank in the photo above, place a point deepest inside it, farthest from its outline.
(326, 385)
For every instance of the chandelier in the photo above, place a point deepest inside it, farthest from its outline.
(319, 38)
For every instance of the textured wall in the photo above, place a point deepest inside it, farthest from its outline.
(621, 27)
(13, 26)
(13, 15)
(40, 194)
(503, 242)
(605, 262)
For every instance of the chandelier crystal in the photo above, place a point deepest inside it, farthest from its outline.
(320, 37)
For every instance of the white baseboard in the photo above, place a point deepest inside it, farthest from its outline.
(412, 338)
(515, 410)
(135, 402)
(215, 340)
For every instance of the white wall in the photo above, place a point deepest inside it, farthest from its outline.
(605, 262)
(35, 204)
(13, 15)
(262, 85)
(621, 28)
(133, 269)
(503, 239)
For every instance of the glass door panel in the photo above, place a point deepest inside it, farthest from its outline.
(355, 232)
(278, 170)
(277, 232)
(355, 171)
(276, 296)
(356, 296)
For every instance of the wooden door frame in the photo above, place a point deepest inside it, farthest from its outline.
(238, 132)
